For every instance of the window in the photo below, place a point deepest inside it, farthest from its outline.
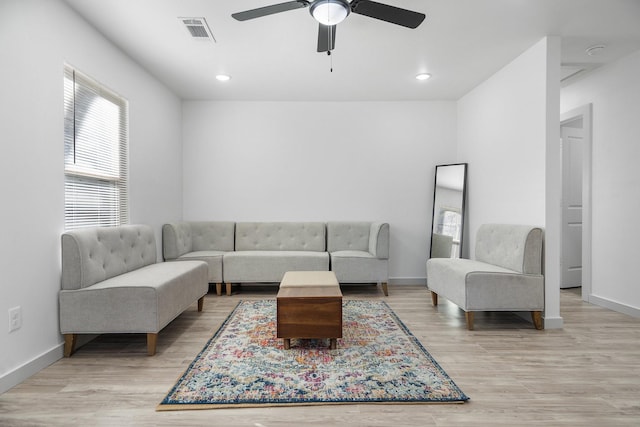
(95, 153)
(450, 224)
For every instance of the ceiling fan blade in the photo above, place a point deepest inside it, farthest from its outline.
(270, 10)
(326, 37)
(385, 12)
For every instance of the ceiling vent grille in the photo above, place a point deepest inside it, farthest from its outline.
(198, 28)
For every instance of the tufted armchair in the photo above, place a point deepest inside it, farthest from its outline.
(359, 252)
(505, 276)
(204, 241)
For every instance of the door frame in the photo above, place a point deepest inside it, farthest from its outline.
(584, 113)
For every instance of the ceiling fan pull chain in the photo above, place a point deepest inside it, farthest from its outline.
(329, 34)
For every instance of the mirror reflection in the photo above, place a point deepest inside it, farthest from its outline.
(448, 210)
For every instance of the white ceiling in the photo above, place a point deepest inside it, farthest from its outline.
(461, 43)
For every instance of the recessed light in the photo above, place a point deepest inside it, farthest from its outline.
(223, 77)
(423, 76)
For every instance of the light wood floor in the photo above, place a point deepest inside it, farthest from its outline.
(587, 374)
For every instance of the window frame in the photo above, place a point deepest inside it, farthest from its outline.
(96, 153)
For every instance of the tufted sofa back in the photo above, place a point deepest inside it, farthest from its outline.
(91, 255)
(183, 237)
(280, 236)
(212, 236)
(516, 247)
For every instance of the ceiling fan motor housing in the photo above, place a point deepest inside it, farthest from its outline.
(330, 12)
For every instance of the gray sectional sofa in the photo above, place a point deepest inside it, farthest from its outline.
(263, 251)
(359, 252)
(111, 283)
(204, 241)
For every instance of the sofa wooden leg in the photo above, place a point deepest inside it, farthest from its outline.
(469, 316)
(69, 344)
(200, 303)
(152, 340)
(385, 289)
(434, 298)
(536, 316)
(228, 288)
(219, 289)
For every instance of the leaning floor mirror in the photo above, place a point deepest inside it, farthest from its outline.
(449, 197)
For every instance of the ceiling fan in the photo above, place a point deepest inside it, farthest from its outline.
(329, 13)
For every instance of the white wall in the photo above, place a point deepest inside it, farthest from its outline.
(501, 134)
(503, 131)
(614, 92)
(36, 38)
(284, 161)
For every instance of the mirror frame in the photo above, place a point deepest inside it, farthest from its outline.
(463, 206)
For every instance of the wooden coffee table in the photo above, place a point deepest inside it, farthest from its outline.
(309, 305)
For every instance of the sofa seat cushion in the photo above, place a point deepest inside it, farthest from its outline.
(358, 267)
(213, 260)
(474, 285)
(140, 301)
(270, 266)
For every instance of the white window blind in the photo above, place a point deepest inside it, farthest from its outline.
(95, 153)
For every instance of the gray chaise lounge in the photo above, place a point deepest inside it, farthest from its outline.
(111, 283)
(505, 276)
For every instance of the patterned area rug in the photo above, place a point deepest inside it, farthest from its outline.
(378, 360)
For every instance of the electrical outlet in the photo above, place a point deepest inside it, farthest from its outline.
(15, 318)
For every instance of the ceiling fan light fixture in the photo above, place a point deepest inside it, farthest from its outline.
(330, 12)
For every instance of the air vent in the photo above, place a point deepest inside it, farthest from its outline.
(198, 28)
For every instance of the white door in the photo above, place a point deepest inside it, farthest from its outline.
(571, 262)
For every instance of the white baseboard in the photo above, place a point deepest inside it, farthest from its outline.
(21, 373)
(553, 322)
(615, 306)
(548, 322)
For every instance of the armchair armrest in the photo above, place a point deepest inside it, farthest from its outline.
(379, 240)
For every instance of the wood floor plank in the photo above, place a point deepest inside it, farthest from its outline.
(586, 374)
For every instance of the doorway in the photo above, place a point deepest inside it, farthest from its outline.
(575, 241)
